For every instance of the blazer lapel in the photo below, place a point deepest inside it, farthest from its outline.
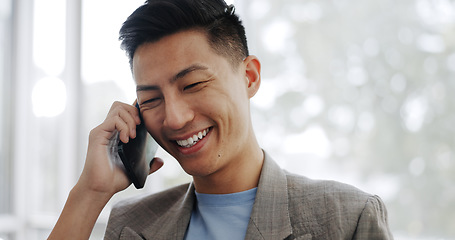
(174, 223)
(270, 215)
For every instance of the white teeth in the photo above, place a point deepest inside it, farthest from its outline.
(191, 141)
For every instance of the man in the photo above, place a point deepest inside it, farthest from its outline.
(194, 76)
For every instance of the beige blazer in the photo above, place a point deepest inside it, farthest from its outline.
(287, 206)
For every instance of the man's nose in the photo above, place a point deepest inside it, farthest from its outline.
(178, 113)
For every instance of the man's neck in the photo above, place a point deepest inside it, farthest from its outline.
(241, 177)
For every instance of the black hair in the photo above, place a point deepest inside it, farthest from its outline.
(159, 18)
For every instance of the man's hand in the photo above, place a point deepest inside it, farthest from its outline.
(101, 178)
(100, 174)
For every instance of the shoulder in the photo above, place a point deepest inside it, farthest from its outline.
(324, 189)
(331, 209)
(331, 195)
(156, 203)
(324, 209)
(138, 213)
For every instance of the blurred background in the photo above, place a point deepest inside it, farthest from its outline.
(355, 91)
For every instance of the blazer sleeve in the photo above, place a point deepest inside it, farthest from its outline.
(373, 222)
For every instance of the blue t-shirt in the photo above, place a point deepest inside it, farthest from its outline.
(221, 216)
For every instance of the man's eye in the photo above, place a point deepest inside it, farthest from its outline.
(151, 103)
(151, 100)
(195, 86)
(191, 86)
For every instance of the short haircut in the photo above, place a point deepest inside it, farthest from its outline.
(159, 18)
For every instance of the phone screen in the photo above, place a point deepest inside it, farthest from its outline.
(137, 154)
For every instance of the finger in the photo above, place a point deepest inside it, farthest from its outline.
(155, 164)
(122, 128)
(119, 107)
(130, 120)
(135, 112)
(128, 113)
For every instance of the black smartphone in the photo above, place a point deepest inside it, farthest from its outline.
(137, 154)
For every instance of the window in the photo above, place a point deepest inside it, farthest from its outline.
(5, 104)
(63, 56)
(5, 120)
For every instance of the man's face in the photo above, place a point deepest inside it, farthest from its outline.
(194, 102)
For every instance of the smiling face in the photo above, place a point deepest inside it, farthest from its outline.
(195, 103)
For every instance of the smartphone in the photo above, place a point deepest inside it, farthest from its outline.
(137, 154)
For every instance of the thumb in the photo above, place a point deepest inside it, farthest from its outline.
(155, 164)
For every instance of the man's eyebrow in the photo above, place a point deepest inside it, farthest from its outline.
(179, 75)
(187, 70)
(140, 88)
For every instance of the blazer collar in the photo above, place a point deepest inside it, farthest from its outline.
(174, 223)
(270, 215)
(269, 218)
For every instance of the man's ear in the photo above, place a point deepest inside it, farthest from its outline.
(252, 74)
